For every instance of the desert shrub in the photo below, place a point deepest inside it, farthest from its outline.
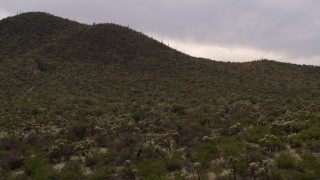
(26, 148)
(252, 153)
(101, 139)
(178, 175)
(159, 129)
(93, 111)
(11, 156)
(118, 143)
(97, 159)
(296, 142)
(16, 177)
(277, 174)
(285, 161)
(11, 159)
(39, 168)
(174, 163)
(231, 146)
(34, 138)
(4, 173)
(122, 156)
(242, 167)
(67, 151)
(205, 152)
(256, 133)
(310, 162)
(137, 116)
(54, 154)
(178, 109)
(311, 133)
(152, 169)
(188, 134)
(150, 152)
(103, 172)
(201, 120)
(307, 176)
(44, 65)
(78, 131)
(92, 161)
(9, 143)
(72, 170)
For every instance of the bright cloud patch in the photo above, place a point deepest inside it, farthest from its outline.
(217, 52)
(232, 53)
(3, 13)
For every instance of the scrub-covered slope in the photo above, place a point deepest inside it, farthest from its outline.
(89, 97)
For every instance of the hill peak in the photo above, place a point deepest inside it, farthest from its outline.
(27, 31)
(38, 23)
(52, 36)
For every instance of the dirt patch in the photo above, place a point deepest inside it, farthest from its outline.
(59, 166)
(293, 152)
(87, 171)
(17, 173)
(211, 176)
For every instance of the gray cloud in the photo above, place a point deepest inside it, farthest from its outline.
(288, 27)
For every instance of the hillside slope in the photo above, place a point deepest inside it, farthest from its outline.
(81, 77)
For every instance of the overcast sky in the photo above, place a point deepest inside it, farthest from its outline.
(228, 30)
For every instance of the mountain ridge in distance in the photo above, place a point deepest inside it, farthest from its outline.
(47, 44)
(42, 25)
(100, 37)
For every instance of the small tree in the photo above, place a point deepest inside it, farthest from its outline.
(54, 153)
(232, 162)
(61, 148)
(128, 170)
(256, 170)
(266, 166)
(197, 166)
(84, 147)
(235, 129)
(270, 142)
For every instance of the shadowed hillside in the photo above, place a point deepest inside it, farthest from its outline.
(74, 95)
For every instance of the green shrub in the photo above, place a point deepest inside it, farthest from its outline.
(137, 116)
(11, 156)
(201, 120)
(307, 176)
(11, 159)
(72, 170)
(311, 133)
(93, 111)
(255, 134)
(103, 172)
(159, 129)
(174, 163)
(78, 131)
(39, 168)
(152, 169)
(231, 146)
(280, 174)
(277, 174)
(296, 142)
(178, 109)
(205, 152)
(97, 159)
(4, 173)
(285, 161)
(310, 162)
